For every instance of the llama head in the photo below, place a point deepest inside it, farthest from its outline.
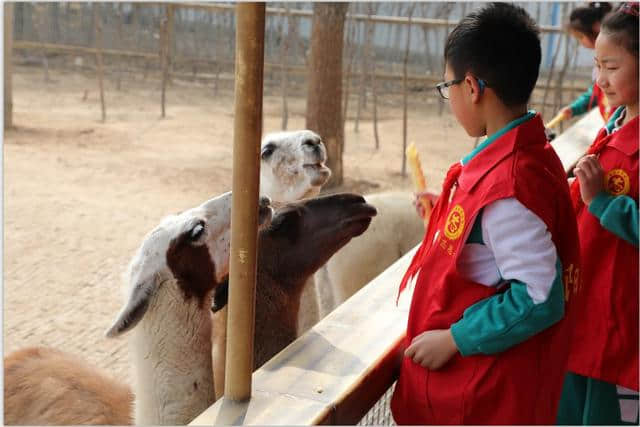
(292, 165)
(189, 250)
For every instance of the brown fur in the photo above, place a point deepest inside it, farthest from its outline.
(193, 268)
(301, 238)
(44, 386)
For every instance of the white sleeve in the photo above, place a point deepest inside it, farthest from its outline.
(521, 245)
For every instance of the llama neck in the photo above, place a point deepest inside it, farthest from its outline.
(171, 350)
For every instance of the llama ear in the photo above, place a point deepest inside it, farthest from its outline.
(135, 309)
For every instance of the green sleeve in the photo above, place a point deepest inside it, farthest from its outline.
(503, 320)
(581, 105)
(617, 214)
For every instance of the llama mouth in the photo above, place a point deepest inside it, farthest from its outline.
(320, 172)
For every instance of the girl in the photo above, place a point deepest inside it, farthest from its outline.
(584, 26)
(602, 385)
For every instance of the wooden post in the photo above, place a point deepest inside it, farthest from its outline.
(8, 46)
(98, 31)
(246, 182)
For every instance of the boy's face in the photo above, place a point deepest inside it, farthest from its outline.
(617, 71)
(463, 99)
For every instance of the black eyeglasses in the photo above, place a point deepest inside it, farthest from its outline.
(443, 88)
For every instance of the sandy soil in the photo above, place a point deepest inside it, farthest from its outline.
(79, 194)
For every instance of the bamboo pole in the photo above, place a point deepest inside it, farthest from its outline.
(356, 17)
(8, 41)
(98, 41)
(164, 59)
(372, 65)
(246, 181)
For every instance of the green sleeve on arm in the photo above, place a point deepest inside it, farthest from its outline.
(581, 105)
(501, 321)
(617, 214)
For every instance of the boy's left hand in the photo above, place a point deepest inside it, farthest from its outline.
(590, 175)
(432, 349)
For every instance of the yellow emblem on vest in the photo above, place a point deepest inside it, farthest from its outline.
(616, 182)
(454, 225)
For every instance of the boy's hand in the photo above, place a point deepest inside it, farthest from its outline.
(590, 175)
(423, 195)
(566, 112)
(432, 349)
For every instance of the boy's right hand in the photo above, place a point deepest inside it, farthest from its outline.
(418, 205)
(566, 112)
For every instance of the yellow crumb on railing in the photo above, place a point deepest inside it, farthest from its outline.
(419, 181)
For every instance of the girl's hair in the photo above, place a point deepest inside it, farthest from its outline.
(622, 26)
(583, 18)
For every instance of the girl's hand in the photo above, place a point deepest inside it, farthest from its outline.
(432, 349)
(566, 112)
(590, 174)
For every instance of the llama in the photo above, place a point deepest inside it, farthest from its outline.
(299, 240)
(393, 232)
(167, 311)
(292, 167)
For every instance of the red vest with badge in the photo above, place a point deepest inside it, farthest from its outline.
(605, 108)
(605, 344)
(522, 384)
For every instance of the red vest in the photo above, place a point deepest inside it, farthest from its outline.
(605, 108)
(522, 384)
(605, 344)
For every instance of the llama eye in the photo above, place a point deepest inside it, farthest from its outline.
(267, 151)
(309, 143)
(197, 232)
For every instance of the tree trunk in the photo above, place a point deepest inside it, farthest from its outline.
(8, 46)
(284, 53)
(324, 95)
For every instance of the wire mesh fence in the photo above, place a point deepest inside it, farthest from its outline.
(201, 45)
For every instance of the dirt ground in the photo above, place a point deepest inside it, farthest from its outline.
(79, 194)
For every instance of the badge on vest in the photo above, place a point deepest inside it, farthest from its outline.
(454, 225)
(616, 181)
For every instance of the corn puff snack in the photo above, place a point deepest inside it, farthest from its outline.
(555, 121)
(419, 181)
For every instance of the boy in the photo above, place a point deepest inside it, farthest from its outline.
(486, 339)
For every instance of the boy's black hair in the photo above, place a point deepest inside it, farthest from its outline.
(583, 18)
(500, 45)
(622, 26)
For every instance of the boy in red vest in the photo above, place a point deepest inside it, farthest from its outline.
(602, 385)
(487, 341)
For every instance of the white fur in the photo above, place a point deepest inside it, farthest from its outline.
(393, 232)
(295, 168)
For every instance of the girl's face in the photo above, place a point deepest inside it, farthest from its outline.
(583, 39)
(617, 71)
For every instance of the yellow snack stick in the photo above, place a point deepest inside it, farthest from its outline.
(555, 121)
(419, 182)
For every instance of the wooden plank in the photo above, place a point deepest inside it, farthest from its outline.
(334, 372)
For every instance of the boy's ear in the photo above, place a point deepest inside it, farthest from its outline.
(474, 88)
